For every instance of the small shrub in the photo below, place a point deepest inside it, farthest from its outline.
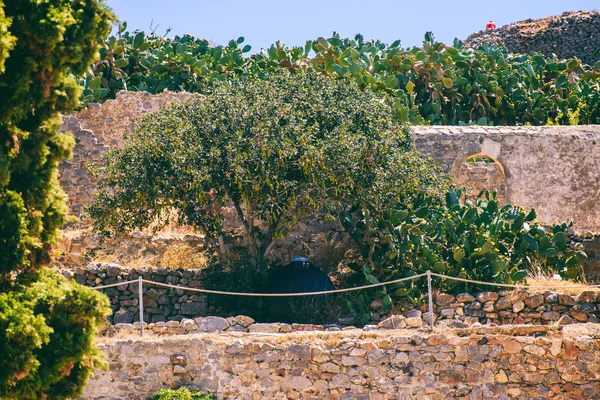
(181, 394)
(47, 329)
(237, 276)
(318, 309)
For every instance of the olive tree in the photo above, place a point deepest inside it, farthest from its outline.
(275, 150)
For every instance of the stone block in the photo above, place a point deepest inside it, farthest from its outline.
(212, 324)
(123, 317)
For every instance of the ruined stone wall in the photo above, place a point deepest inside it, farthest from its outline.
(552, 169)
(96, 130)
(167, 304)
(399, 364)
(571, 34)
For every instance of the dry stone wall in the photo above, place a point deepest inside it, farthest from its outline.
(571, 34)
(188, 309)
(399, 364)
(160, 304)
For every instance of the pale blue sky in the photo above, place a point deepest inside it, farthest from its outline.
(263, 22)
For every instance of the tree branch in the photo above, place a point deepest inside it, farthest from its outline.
(347, 223)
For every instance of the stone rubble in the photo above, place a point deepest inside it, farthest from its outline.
(571, 34)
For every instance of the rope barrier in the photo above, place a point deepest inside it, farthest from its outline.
(511, 285)
(428, 274)
(285, 294)
(114, 284)
(220, 292)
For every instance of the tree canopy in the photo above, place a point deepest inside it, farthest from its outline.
(273, 149)
(43, 47)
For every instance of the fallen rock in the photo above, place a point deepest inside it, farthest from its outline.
(565, 320)
(414, 322)
(123, 317)
(264, 328)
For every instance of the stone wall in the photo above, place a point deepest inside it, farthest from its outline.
(160, 304)
(551, 169)
(398, 364)
(96, 130)
(167, 304)
(571, 34)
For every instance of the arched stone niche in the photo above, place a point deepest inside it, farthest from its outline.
(479, 172)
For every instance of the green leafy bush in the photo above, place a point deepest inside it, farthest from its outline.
(480, 241)
(274, 149)
(46, 338)
(181, 394)
(47, 324)
(43, 47)
(432, 84)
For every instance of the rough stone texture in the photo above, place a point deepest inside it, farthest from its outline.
(559, 162)
(160, 303)
(571, 34)
(99, 128)
(354, 365)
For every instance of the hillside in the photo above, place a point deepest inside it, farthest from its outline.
(571, 34)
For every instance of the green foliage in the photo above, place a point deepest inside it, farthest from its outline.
(47, 324)
(7, 41)
(137, 62)
(480, 241)
(13, 231)
(275, 149)
(236, 276)
(181, 394)
(432, 84)
(46, 338)
(42, 44)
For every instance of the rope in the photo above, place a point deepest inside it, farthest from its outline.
(114, 284)
(220, 292)
(285, 294)
(511, 285)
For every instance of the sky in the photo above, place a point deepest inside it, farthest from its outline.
(263, 22)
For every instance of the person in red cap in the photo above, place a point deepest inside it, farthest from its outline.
(490, 25)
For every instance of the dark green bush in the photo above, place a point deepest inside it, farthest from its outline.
(46, 337)
(432, 84)
(480, 241)
(43, 47)
(47, 324)
(236, 276)
(181, 394)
